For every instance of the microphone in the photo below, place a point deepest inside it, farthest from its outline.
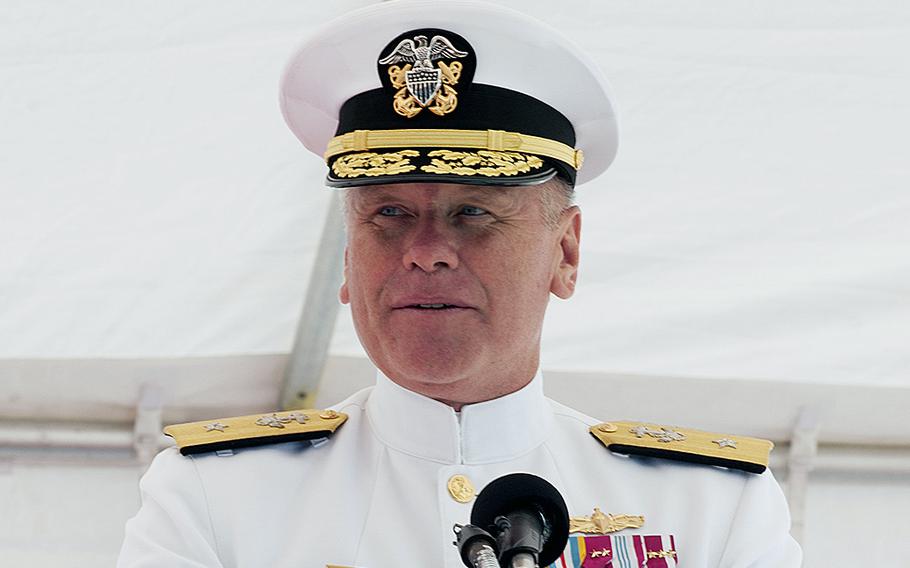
(526, 522)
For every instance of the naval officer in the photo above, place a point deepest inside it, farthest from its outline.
(457, 132)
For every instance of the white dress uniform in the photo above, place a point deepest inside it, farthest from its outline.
(376, 493)
(466, 93)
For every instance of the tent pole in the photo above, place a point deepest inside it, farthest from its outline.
(317, 320)
(801, 460)
(147, 425)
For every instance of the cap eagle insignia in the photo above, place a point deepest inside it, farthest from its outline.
(421, 85)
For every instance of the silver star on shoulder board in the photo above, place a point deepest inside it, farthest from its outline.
(299, 417)
(725, 443)
(216, 426)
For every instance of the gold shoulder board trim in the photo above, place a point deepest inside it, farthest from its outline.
(254, 430)
(641, 438)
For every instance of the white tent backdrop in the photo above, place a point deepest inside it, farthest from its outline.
(746, 258)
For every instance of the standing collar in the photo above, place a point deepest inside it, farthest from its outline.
(484, 432)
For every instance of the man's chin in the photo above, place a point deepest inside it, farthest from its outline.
(430, 373)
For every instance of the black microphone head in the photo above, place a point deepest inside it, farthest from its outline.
(519, 490)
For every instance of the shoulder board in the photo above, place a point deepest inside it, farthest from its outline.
(254, 430)
(643, 439)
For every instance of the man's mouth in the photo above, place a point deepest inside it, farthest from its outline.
(432, 302)
(433, 306)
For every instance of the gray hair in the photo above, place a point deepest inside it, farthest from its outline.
(556, 195)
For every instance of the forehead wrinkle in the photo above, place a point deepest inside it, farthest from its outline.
(489, 193)
(439, 192)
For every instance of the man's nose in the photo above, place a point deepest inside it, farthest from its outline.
(430, 249)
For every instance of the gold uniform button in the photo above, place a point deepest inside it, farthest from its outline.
(328, 415)
(607, 428)
(460, 488)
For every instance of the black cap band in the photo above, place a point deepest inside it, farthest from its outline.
(482, 107)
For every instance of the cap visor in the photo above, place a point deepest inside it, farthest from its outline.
(471, 167)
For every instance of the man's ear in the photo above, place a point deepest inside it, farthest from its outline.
(343, 295)
(565, 273)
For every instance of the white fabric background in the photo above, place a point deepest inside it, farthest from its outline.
(754, 224)
(154, 210)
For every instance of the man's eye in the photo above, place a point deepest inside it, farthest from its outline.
(471, 211)
(390, 211)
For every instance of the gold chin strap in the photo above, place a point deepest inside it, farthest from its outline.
(498, 140)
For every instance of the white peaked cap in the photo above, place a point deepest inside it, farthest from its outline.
(513, 51)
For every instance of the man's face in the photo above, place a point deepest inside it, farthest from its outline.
(448, 283)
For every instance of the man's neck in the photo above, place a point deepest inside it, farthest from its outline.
(478, 387)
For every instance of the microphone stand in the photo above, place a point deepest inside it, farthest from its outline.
(479, 550)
